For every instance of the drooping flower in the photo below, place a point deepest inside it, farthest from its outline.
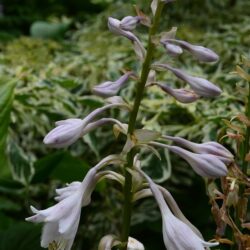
(200, 86)
(177, 235)
(213, 148)
(69, 131)
(108, 89)
(62, 220)
(181, 95)
(203, 54)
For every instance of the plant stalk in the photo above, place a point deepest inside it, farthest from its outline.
(127, 207)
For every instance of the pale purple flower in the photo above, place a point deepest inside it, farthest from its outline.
(108, 89)
(66, 133)
(213, 148)
(177, 235)
(181, 95)
(129, 23)
(69, 131)
(172, 49)
(206, 165)
(200, 86)
(203, 54)
(62, 220)
(115, 27)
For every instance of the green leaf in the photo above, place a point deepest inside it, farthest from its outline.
(60, 165)
(6, 97)
(21, 164)
(22, 236)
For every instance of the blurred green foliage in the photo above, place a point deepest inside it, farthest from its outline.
(47, 80)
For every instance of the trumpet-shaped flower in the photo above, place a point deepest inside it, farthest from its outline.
(203, 54)
(206, 165)
(108, 89)
(62, 220)
(177, 235)
(181, 95)
(200, 86)
(213, 148)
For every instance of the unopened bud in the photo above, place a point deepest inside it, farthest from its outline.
(213, 148)
(181, 95)
(108, 89)
(202, 87)
(66, 133)
(134, 244)
(129, 22)
(206, 165)
(173, 50)
(203, 54)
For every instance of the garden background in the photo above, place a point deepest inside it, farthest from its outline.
(51, 53)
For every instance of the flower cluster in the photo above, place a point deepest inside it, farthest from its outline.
(208, 159)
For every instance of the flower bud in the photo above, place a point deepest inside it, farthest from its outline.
(65, 134)
(114, 26)
(213, 148)
(129, 22)
(173, 50)
(69, 131)
(134, 244)
(200, 86)
(206, 165)
(181, 95)
(203, 54)
(108, 89)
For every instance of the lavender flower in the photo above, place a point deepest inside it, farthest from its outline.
(177, 235)
(66, 133)
(108, 89)
(200, 86)
(213, 148)
(129, 23)
(172, 49)
(181, 95)
(206, 165)
(62, 220)
(115, 27)
(203, 54)
(69, 131)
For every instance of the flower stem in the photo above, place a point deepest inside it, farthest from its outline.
(127, 208)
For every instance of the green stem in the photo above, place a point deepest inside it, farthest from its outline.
(127, 208)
